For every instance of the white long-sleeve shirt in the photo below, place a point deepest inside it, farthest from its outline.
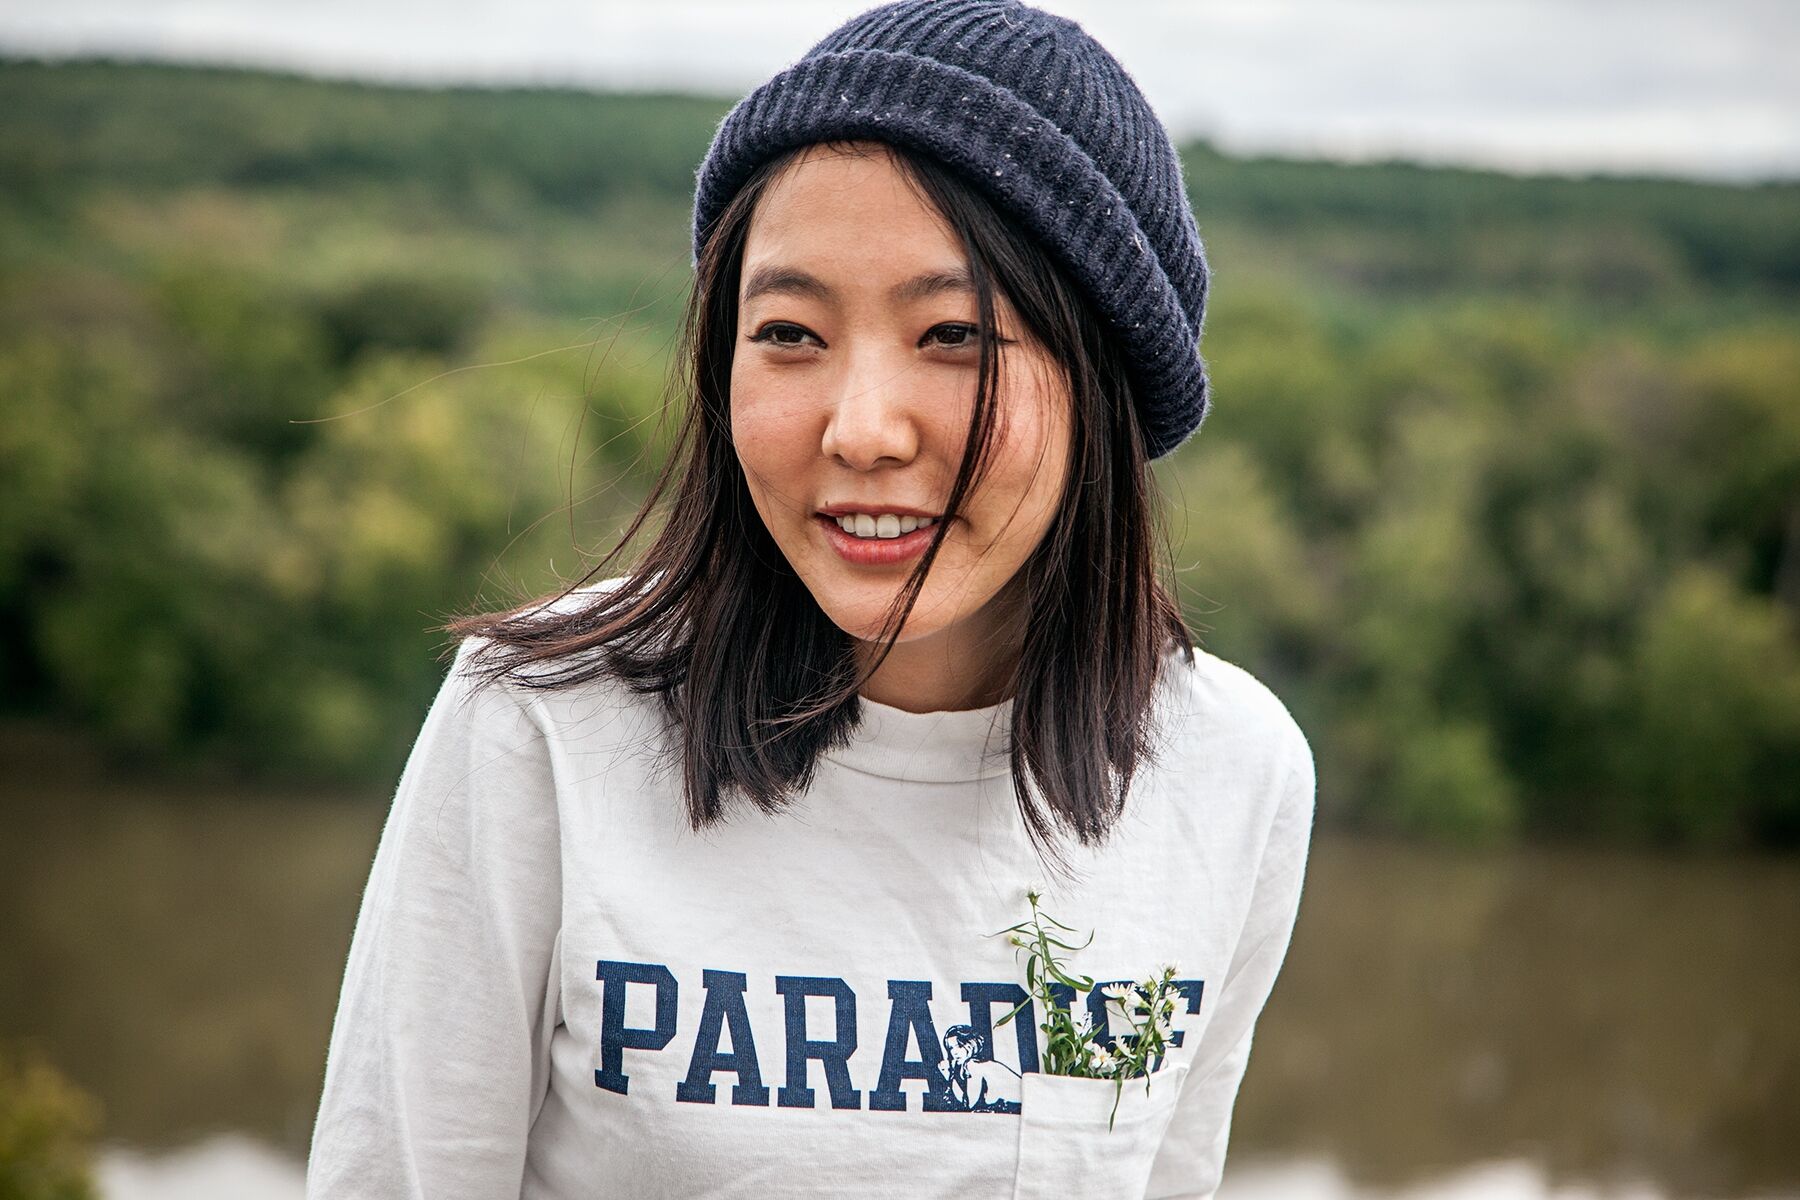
(557, 990)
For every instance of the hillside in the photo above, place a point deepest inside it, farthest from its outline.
(1501, 492)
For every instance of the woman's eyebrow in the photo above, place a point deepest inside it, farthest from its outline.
(791, 281)
(933, 283)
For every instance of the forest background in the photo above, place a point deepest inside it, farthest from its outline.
(1501, 491)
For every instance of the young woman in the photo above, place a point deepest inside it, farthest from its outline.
(691, 882)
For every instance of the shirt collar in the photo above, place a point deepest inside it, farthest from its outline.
(932, 747)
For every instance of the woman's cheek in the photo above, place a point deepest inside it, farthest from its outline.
(1036, 449)
(757, 425)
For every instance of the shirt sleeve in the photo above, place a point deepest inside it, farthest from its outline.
(1192, 1157)
(439, 1055)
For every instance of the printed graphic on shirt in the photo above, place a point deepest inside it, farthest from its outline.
(976, 1082)
(959, 1069)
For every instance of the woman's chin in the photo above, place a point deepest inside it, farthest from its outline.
(869, 629)
(865, 619)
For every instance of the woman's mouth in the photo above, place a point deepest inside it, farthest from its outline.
(873, 541)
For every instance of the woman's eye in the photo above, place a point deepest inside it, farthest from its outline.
(953, 335)
(780, 333)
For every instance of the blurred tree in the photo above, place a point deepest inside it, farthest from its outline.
(1240, 562)
(1418, 578)
(1712, 750)
(46, 1127)
(427, 316)
(241, 360)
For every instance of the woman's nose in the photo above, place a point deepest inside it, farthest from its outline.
(872, 421)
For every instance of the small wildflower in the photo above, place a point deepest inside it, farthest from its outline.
(1075, 1043)
(1129, 1001)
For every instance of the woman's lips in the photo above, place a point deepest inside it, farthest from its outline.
(874, 552)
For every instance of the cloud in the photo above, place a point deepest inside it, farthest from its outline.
(1525, 84)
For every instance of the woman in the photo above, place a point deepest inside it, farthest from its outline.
(691, 868)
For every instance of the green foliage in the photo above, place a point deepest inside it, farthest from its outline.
(1075, 1045)
(182, 126)
(1234, 539)
(46, 1127)
(1501, 489)
(400, 315)
(1447, 783)
(1395, 225)
(1069, 1048)
(185, 596)
(249, 358)
(1712, 748)
(1482, 507)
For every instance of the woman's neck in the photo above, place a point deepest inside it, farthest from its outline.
(968, 665)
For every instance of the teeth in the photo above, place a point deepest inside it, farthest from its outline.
(887, 525)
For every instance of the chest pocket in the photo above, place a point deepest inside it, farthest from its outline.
(1065, 1147)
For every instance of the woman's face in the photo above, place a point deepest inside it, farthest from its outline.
(852, 388)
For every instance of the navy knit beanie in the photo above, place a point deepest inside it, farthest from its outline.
(1032, 111)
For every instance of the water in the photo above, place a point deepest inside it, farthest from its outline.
(1521, 1025)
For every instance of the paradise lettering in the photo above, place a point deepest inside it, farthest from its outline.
(913, 1048)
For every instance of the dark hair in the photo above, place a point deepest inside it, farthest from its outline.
(753, 675)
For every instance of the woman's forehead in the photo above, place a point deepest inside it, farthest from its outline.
(829, 188)
(835, 226)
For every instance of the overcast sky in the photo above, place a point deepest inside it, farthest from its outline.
(1707, 88)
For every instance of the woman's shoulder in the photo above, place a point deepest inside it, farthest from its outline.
(527, 683)
(1220, 710)
(562, 606)
(574, 600)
